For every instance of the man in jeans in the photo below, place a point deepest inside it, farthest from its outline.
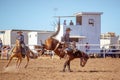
(20, 37)
(66, 40)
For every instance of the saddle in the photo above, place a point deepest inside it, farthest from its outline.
(23, 51)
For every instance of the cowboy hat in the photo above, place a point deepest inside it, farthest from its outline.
(19, 32)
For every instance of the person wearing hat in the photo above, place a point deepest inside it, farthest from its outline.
(71, 23)
(66, 36)
(66, 40)
(20, 37)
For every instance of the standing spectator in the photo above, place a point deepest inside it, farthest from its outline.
(103, 51)
(51, 54)
(64, 22)
(87, 47)
(0, 43)
(71, 23)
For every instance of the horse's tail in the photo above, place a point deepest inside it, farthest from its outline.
(56, 33)
(32, 52)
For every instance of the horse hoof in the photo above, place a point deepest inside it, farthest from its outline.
(6, 66)
(82, 65)
(25, 66)
(63, 70)
(70, 71)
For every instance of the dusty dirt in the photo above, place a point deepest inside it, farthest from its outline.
(45, 68)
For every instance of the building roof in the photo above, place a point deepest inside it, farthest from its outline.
(88, 13)
(3, 31)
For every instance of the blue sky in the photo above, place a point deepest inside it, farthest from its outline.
(38, 14)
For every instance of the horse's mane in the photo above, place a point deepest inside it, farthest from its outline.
(17, 47)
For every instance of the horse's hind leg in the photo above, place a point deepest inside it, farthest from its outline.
(9, 61)
(64, 66)
(68, 63)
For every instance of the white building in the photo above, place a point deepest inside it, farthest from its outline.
(87, 28)
(35, 38)
(9, 36)
(109, 39)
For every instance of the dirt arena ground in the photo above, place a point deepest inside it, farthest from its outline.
(45, 68)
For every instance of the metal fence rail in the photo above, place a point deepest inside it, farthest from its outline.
(95, 50)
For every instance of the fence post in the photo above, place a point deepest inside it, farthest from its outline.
(104, 51)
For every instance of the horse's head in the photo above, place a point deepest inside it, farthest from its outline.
(84, 58)
(17, 42)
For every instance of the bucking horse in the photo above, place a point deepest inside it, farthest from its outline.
(53, 44)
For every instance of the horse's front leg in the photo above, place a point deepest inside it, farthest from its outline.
(27, 60)
(20, 60)
(82, 62)
(17, 63)
(9, 61)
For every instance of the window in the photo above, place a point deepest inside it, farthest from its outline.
(91, 22)
(78, 20)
